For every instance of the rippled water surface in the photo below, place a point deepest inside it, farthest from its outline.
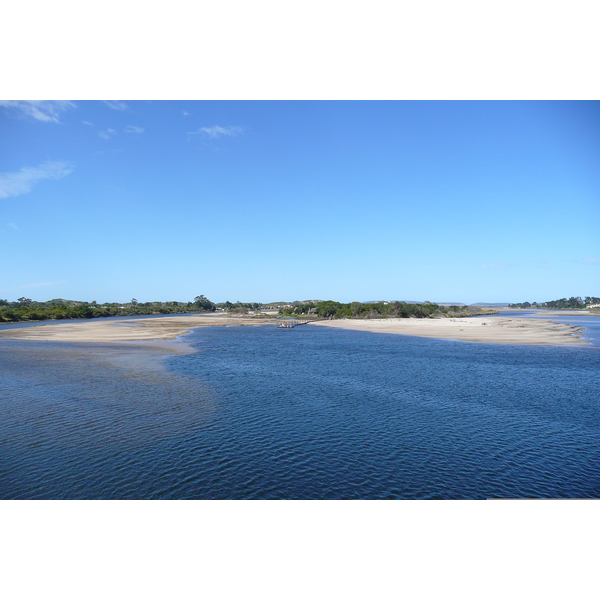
(307, 412)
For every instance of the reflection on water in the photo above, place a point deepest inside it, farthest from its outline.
(301, 413)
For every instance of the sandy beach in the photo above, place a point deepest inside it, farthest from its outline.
(127, 330)
(490, 330)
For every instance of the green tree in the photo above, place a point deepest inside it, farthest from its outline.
(328, 308)
(204, 303)
(356, 308)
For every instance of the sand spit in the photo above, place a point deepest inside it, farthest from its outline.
(130, 330)
(490, 330)
(562, 312)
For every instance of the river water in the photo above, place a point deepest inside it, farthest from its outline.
(303, 413)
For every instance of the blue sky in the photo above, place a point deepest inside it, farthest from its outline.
(282, 200)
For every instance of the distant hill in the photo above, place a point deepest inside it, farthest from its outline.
(491, 304)
(286, 302)
(451, 303)
(418, 302)
(423, 302)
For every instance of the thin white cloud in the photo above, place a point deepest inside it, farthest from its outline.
(32, 285)
(40, 110)
(134, 129)
(115, 104)
(107, 134)
(21, 182)
(87, 123)
(13, 226)
(591, 261)
(185, 113)
(493, 266)
(216, 131)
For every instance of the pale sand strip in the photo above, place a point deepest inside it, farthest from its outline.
(154, 328)
(491, 330)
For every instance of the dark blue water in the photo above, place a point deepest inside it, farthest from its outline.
(308, 413)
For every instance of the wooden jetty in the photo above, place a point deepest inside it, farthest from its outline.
(294, 323)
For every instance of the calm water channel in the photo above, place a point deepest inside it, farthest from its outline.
(308, 412)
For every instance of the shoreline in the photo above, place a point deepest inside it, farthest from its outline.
(488, 330)
(557, 312)
(155, 329)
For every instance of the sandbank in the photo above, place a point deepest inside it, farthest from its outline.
(489, 330)
(557, 313)
(127, 330)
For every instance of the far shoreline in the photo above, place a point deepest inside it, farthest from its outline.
(493, 329)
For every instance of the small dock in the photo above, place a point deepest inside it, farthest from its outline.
(294, 323)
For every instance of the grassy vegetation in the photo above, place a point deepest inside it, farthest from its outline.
(572, 303)
(379, 310)
(25, 309)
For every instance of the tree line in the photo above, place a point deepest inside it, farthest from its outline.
(572, 302)
(330, 309)
(239, 307)
(25, 309)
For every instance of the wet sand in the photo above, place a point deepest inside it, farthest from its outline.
(490, 330)
(154, 328)
(555, 312)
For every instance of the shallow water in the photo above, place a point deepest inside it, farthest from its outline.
(309, 412)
